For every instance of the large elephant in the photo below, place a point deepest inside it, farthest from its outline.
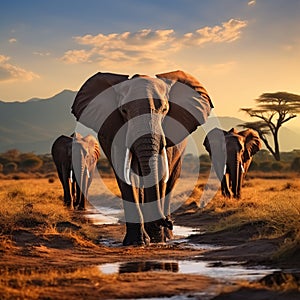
(231, 153)
(142, 125)
(75, 158)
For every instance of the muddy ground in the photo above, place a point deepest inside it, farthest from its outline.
(34, 253)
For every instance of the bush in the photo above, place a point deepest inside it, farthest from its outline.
(277, 166)
(11, 167)
(31, 163)
(254, 166)
(295, 166)
(265, 166)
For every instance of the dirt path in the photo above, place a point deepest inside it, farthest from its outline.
(58, 266)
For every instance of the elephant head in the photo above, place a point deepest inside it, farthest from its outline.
(85, 153)
(231, 153)
(137, 120)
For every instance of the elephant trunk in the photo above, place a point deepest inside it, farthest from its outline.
(151, 154)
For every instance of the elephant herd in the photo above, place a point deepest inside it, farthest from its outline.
(142, 124)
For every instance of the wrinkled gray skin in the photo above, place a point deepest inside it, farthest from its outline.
(141, 105)
(79, 155)
(231, 153)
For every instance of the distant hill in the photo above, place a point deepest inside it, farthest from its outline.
(34, 125)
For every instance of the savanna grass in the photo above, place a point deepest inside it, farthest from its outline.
(272, 206)
(37, 204)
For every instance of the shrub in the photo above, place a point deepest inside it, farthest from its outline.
(277, 166)
(295, 166)
(265, 166)
(31, 163)
(10, 168)
(254, 166)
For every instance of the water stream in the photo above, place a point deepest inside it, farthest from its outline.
(228, 271)
(224, 272)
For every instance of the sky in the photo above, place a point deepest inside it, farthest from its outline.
(238, 49)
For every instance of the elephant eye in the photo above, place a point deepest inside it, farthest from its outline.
(124, 111)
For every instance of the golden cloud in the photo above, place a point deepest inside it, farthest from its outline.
(9, 72)
(153, 46)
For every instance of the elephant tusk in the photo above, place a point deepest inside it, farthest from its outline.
(127, 166)
(87, 173)
(224, 172)
(71, 176)
(165, 164)
(242, 167)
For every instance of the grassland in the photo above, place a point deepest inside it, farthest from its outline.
(49, 252)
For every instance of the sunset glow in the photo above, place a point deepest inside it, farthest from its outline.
(238, 50)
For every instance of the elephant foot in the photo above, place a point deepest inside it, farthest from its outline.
(69, 206)
(168, 234)
(128, 241)
(155, 232)
(135, 235)
(81, 208)
(226, 194)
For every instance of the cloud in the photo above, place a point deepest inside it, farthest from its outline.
(76, 56)
(9, 72)
(147, 45)
(252, 2)
(12, 40)
(228, 32)
(41, 53)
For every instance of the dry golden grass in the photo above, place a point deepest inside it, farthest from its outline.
(29, 203)
(272, 206)
(30, 285)
(37, 204)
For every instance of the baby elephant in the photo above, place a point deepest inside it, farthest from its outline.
(75, 158)
(231, 153)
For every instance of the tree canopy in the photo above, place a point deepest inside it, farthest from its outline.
(273, 110)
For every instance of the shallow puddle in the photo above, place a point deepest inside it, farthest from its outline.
(107, 215)
(104, 215)
(225, 271)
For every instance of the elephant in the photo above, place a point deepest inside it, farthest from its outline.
(142, 124)
(75, 158)
(231, 153)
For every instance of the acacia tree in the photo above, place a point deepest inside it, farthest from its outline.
(272, 110)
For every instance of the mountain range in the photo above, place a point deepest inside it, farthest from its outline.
(33, 125)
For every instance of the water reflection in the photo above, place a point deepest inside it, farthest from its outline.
(225, 271)
(145, 266)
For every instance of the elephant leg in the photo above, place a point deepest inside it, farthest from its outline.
(239, 184)
(157, 232)
(168, 233)
(225, 186)
(135, 231)
(77, 195)
(68, 201)
(83, 194)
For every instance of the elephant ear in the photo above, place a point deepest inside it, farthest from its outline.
(96, 101)
(215, 145)
(93, 146)
(252, 143)
(189, 103)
